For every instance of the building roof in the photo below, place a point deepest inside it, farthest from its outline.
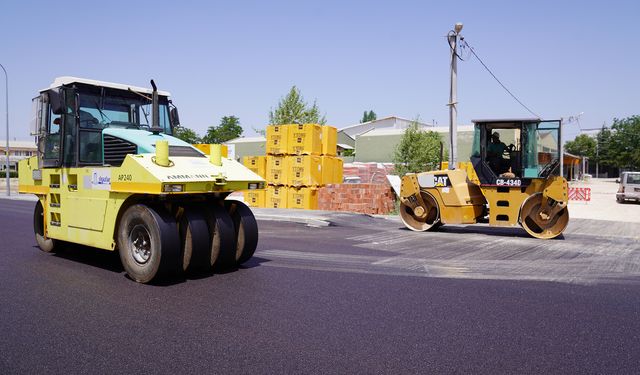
(18, 144)
(247, 140)
(397, 131)
(398, 122)
(67, 80)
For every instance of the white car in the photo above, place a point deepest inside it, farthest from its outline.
(629, 187)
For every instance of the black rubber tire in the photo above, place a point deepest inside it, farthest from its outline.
(246, 230)
(194, 239)
(163, 242)
(619, 200)
(223, 237)
(48, 245)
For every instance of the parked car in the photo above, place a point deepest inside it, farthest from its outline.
(629, 187)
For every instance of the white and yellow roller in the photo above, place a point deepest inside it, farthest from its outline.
(108, 174)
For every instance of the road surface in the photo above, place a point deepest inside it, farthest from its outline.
(360, 296)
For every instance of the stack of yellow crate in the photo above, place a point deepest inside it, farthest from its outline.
(300, 159)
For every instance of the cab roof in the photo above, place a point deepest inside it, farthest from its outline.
(507, 120)
(68, 80)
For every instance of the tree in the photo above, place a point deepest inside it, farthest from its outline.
(368, 116)
(624, 143)
(418, 150)
(186, 135)
(292, 109)
(582, 145)
(228, 129)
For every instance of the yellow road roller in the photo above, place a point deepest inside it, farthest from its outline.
(109, 174)
(514, 178)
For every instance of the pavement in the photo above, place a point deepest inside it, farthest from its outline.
(363, 295)
(603, 205)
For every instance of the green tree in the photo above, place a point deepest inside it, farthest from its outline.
(368, 116)
(186, 135)
(418, 150)
(228, 129)
(624, 143)
(603, 154)
(582, 145)
(292, 109)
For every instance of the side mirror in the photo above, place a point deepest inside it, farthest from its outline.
(174, 117)
(617, 180)
(56, 101)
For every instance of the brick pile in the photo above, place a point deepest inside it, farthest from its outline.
(369, 173)
(362, 198)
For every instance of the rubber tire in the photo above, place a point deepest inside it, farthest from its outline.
(48, 245)
(246, 230)
(223, 237)
(164, 260)
(194, 239)
(619, 200)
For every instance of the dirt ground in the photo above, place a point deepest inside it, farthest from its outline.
(603, 205)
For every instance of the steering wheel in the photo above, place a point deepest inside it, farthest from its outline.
(549, 168)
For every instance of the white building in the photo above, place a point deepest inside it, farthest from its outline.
(18, 150)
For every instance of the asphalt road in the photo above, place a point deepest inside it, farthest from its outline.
(363, 296)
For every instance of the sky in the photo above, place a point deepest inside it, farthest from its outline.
(223, 58)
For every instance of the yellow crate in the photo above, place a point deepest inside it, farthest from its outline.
(255, 198)
(304, 197)
(329, 140)
(305, 170)
(331, 170)
(277, 196)
(277, 139)
(277, 170)
(305, 139)
(257, 164)
(338, 170)
(206, 148)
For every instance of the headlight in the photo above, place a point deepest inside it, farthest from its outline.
(173, 188)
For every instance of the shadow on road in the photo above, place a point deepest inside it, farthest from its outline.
(486, 230)
(110, 261)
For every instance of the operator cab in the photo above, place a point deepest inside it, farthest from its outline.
(511, 152)
(76, 121)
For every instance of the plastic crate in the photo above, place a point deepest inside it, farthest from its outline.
(206, 148)
(255, 198)
(257, 164)
(277, 139)
(305, 170)
(276, 170)
(331, 170)
(305, 139)
(277, 196)
(305, 198)
(329, 140)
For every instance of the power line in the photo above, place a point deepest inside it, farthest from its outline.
(497, 80)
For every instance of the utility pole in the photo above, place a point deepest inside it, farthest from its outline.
(6, 82)
(453, 38)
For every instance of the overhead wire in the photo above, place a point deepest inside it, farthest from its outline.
(463, 44)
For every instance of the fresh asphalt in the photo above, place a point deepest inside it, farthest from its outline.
(360, 296)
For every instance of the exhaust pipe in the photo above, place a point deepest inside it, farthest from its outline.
(155, 110)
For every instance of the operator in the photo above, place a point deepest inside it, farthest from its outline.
(495, 154)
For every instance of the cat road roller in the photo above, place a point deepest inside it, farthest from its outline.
(109, 174)
(518, 184)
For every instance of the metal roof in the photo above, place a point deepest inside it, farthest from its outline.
(508, 120)
(68, 80)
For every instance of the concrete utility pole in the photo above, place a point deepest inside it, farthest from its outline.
(6, 82)
(453, 37)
